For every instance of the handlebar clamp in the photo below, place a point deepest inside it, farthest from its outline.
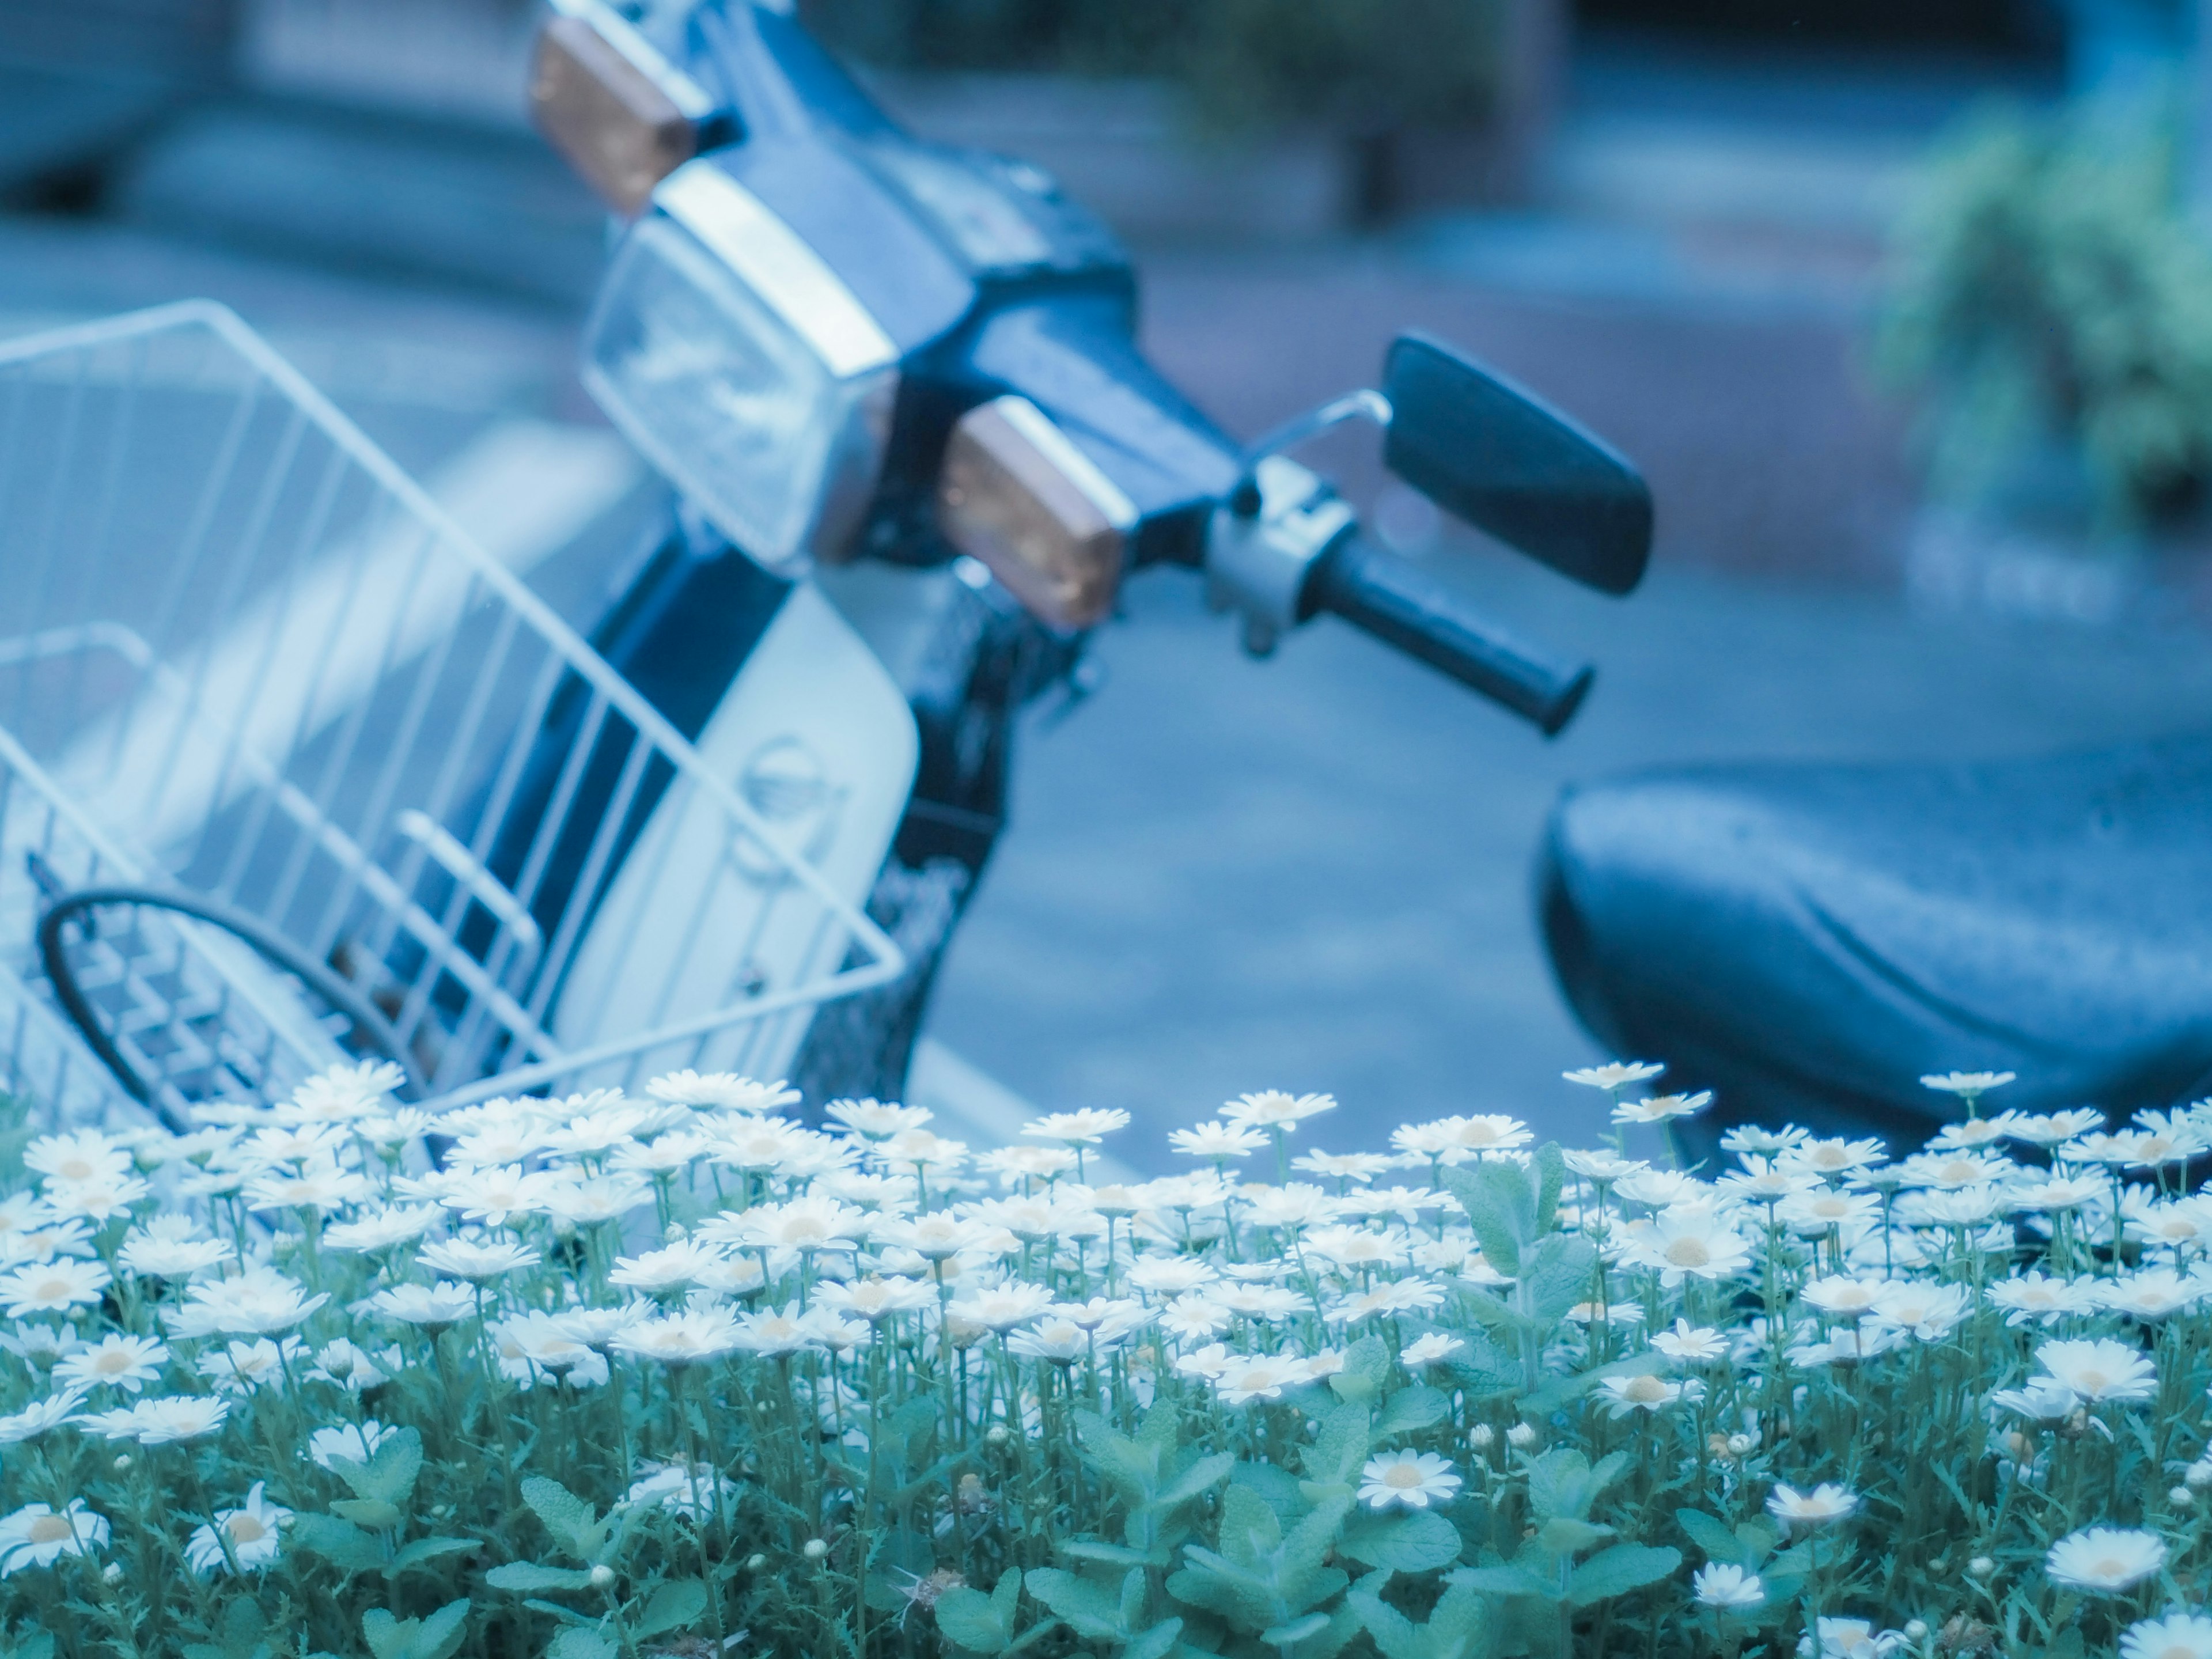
(1258, 560)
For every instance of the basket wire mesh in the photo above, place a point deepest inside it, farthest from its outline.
(253, 675)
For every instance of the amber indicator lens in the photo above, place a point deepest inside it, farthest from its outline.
(1015, 495)
(618, 125)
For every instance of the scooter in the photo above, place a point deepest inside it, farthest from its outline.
(1811, 942)
(912, 453)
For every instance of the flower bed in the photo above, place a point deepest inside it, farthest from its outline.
(675, 1375)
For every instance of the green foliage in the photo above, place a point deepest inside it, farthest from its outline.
(1356, 64)
(2051, 307)
(438, 1637)
(1488, 1471)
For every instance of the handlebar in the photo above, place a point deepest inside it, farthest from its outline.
(1402, 606)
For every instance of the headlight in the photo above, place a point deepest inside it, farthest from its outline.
(743, 368)
(1017, 496)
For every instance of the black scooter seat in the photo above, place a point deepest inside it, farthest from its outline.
(1808, 941)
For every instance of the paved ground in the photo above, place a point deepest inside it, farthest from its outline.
(1311, 872)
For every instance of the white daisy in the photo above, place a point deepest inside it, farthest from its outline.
(478, 1260)
(37, 1535)
(2179, 1635)
(1614, 1074)
(1726, 1586)
(129, 1363)
(2100, 1369)
(1084, 1128)
(723, 1092)
(1626, 1395)
(1412, 1480)
(1824, 1505)
(1272, 1108)
(434, 1307)
(53, 1287)
(243, 1540)
(681, 1339)
(2105, 1560)
(356, 1443)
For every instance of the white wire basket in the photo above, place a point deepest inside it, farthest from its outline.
(293, 772)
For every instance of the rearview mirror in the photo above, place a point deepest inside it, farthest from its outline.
(1487, 451)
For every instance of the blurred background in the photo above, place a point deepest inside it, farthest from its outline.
(1903, 306)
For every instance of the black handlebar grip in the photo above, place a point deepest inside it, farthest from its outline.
(1402, 606)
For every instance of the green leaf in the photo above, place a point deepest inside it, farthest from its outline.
(1555, 1275)
(1564, 1536)
(572, 1522)
(1623, 1568)
(1085, 1608)
(1551, 1175)
(1480, 1366)
(528, 1576)
(576, 1643)
(1712, 1534)
(1200, 1478)
(388, 1476)
(1408, 1409)
(1283, 1636)
(423, 1550)
(1417, 1541)
(679, 1602)
(1366, 1370)
(968, 1619)
(341, 1543)
(1155, 1643)
(373, 1513)
(1393, 1633)
(1341, 1446)
(1111, 1555)
(437, 1636)
(1501, 1208)
(1505, 1581)
(238, 1637)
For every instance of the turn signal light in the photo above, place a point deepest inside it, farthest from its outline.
(1017, 496)
(622, 114)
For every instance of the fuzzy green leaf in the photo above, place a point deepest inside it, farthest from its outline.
(437, 1636)
(1202, 1476)
(967, 1618)
(1408, 1409)
(572, 1522)
(1341, 1446)
(1481, 1367)
(1085, 1608)
(1555, 1275)
(1713, 1535)
(1623, 1568)
(388, 1475)
(676, 1604)
(1501, 1207)
(1551, 1165)
(577, 1643)
(1508, 1581)
(1420, 1541)
(1367, 1370)
(239, 1637)
(1564, 1536)
(423, 1550)
(1154, 1643)
(528, 1576)
(341, 1543)
(373, 1513)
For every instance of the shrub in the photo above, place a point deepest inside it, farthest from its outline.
(2050, 297)
(677, 1375)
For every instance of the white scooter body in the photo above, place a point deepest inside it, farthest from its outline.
(817, 739)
